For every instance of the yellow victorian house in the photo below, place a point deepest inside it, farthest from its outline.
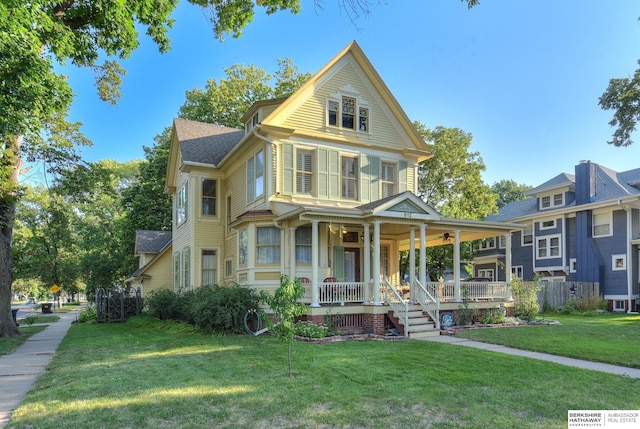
(321, 186)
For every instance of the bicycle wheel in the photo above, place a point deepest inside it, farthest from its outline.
(252, 322)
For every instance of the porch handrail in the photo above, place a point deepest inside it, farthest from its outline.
(397, 303)
(427, 301)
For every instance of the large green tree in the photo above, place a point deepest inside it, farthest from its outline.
(34, 99)
(509, 191)
(623, 97)
(225, 101)
(451, 182)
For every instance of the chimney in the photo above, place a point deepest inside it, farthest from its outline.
(585, 182)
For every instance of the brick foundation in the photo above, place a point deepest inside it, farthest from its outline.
(374, 323)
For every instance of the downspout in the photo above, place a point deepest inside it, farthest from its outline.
(628, 252)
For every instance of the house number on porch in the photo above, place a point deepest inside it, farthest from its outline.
(407, 215)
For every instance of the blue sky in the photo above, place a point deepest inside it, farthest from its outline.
(524, 77)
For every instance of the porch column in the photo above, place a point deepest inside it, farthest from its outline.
(507, 260)
(412, 263)
(376, 263)
(423, 254)
(456, 264)
(366, 248)
(314, 264)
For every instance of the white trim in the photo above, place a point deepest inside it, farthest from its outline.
(548, 246)
(609, 222)
(618, 262)
(542, 227)
(552, 203)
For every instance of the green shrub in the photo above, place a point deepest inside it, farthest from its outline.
(592, 305)
(222, 308)
(310, 330)
(89, 314)
(165, 304)
(525, 295)
(492, 316)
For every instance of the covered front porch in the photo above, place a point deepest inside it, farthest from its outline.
(350, 257)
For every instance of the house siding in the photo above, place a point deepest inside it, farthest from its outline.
(311, 115)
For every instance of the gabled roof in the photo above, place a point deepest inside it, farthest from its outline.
(151, 241)
(405, 202)
(204, 143)
(515, 210)
(609, 186)
(354, 51)
(561, 180)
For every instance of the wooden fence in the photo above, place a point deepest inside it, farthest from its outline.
(556, 294)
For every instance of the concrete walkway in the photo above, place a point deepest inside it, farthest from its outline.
(594, 366)
(20, 370)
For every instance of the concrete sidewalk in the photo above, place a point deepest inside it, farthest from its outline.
(20, 370)
(594, 366)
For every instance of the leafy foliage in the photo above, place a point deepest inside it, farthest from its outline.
(286, 307)
(526, 299)
(222, 308)
(509, 191)
(210, 307)
(225, 101)
(623, 97)
(451, 182)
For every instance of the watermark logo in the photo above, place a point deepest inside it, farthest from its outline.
(611, 419)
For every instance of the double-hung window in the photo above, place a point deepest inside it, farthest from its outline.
(388, 179)
(255, 176)
(601, 224)
(349, 113)
(243, 247)
(209, 267)
(527, 235)
(303, 245)
(349, 178)
(304, 172)
(268, 245)
(181, 204)
(208, 197)
(549, 201)
(548, 247)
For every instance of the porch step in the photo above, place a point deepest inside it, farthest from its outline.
(421, 325)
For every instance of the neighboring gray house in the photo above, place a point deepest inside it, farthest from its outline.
(582, 227)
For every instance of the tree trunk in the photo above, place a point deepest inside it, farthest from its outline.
(11, 158)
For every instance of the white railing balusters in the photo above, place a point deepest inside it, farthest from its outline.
(394, 299)
(428, 300)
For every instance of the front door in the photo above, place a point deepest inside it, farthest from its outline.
(351, 264)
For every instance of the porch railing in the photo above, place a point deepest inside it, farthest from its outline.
(428, 301)
(476, 290)
(341, 292)
(398, 304)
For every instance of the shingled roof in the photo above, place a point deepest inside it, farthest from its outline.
(151, 241)
(205, 143)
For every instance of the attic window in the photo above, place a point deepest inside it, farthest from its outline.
(251, 124)
(551, 201)
(348, 113)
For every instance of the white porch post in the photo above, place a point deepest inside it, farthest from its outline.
(507, 260)
(366, 248)
(376, 263)
(315, 243)
(423, 256)
(456, 264)
(412, 263)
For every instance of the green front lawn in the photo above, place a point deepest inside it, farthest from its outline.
(9, 344)
(610, 338)
(139, 375)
